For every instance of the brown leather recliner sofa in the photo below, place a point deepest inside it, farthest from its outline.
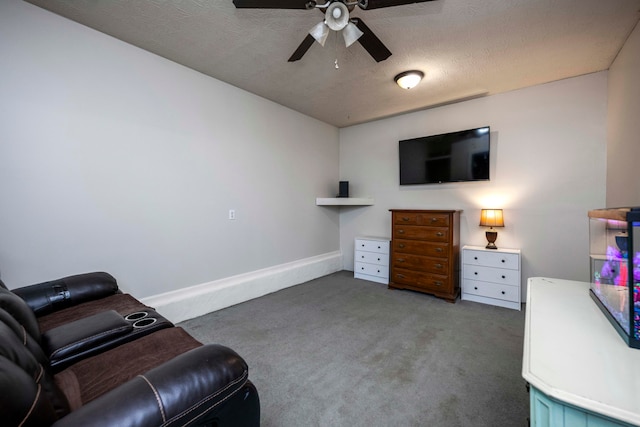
(76, 351)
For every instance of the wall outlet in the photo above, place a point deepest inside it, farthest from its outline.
(232, 214)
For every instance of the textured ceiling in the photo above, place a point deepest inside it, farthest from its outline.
(467, 48)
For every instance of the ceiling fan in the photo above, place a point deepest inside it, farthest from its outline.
(337, 18)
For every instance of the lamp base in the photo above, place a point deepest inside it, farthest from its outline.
(491, 238)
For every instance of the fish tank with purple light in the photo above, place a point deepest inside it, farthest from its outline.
(614, 252)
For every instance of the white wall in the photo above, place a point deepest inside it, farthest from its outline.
(115, 159)
(112, 158)
(548, 147)
(623, 139)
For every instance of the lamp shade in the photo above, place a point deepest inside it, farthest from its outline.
(351, 34)
(491, 218)
(320, 32)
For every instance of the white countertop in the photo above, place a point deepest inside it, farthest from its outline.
(573, 354)
(483, 248)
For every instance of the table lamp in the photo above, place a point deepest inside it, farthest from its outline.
(491, 218)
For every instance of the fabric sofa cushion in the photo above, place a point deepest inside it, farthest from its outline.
(92, 377)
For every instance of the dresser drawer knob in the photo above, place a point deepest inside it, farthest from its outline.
(378, 247)
(475, 258)
(362, 245)
(439, 249)
(400, 231)
(438, 283)
(400, 259)
(361, 268)
(378, 271)
(475, 287)
(438, 265)
(405, 218)
(475, 272)
(401, 245)
(504, 260)
(502, 292)
(362, 257)
(504, 277)
(439, 234)
(434, 219)
(400, 276)
(378, 259)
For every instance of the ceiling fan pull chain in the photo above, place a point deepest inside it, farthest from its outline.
(336, 45)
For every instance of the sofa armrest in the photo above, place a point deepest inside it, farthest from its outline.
(77, 339)
(194, 388)
(47, 297)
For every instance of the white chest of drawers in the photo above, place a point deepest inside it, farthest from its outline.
(491, 276)
(371, 259)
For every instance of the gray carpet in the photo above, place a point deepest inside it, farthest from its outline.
(339, 351)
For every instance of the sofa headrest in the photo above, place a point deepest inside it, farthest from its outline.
(29, 394)
(34, 348)
(16, 307)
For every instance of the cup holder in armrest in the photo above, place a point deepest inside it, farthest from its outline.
(140, 319)
(145, 321)
(136, 316)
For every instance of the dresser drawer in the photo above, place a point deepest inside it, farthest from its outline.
(421, 263)
(427, 281)
(491, 290)
(492, 259)
(417, 232)
(491, 274)
(372, 269)
(372, 258)
(440, 250)
(379, 246)
(413, 218)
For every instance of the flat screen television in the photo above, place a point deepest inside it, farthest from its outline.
(449, 157)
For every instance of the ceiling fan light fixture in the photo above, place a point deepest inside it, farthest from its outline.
(409, 79)
(320, 32)
(337, 16)
(351, 34)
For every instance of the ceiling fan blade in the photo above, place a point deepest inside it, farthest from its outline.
(377, 4)
(303, 48)
(274, 4)
(371, 43)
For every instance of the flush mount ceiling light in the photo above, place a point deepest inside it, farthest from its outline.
(409, 79)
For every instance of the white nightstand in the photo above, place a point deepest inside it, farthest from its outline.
(371, 259)
(491, 276)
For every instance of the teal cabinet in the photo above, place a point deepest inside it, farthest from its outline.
(581, 374)
(547, 412)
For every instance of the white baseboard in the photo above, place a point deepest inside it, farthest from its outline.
(194, 301)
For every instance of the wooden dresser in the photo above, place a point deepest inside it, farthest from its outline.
(425, 251)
